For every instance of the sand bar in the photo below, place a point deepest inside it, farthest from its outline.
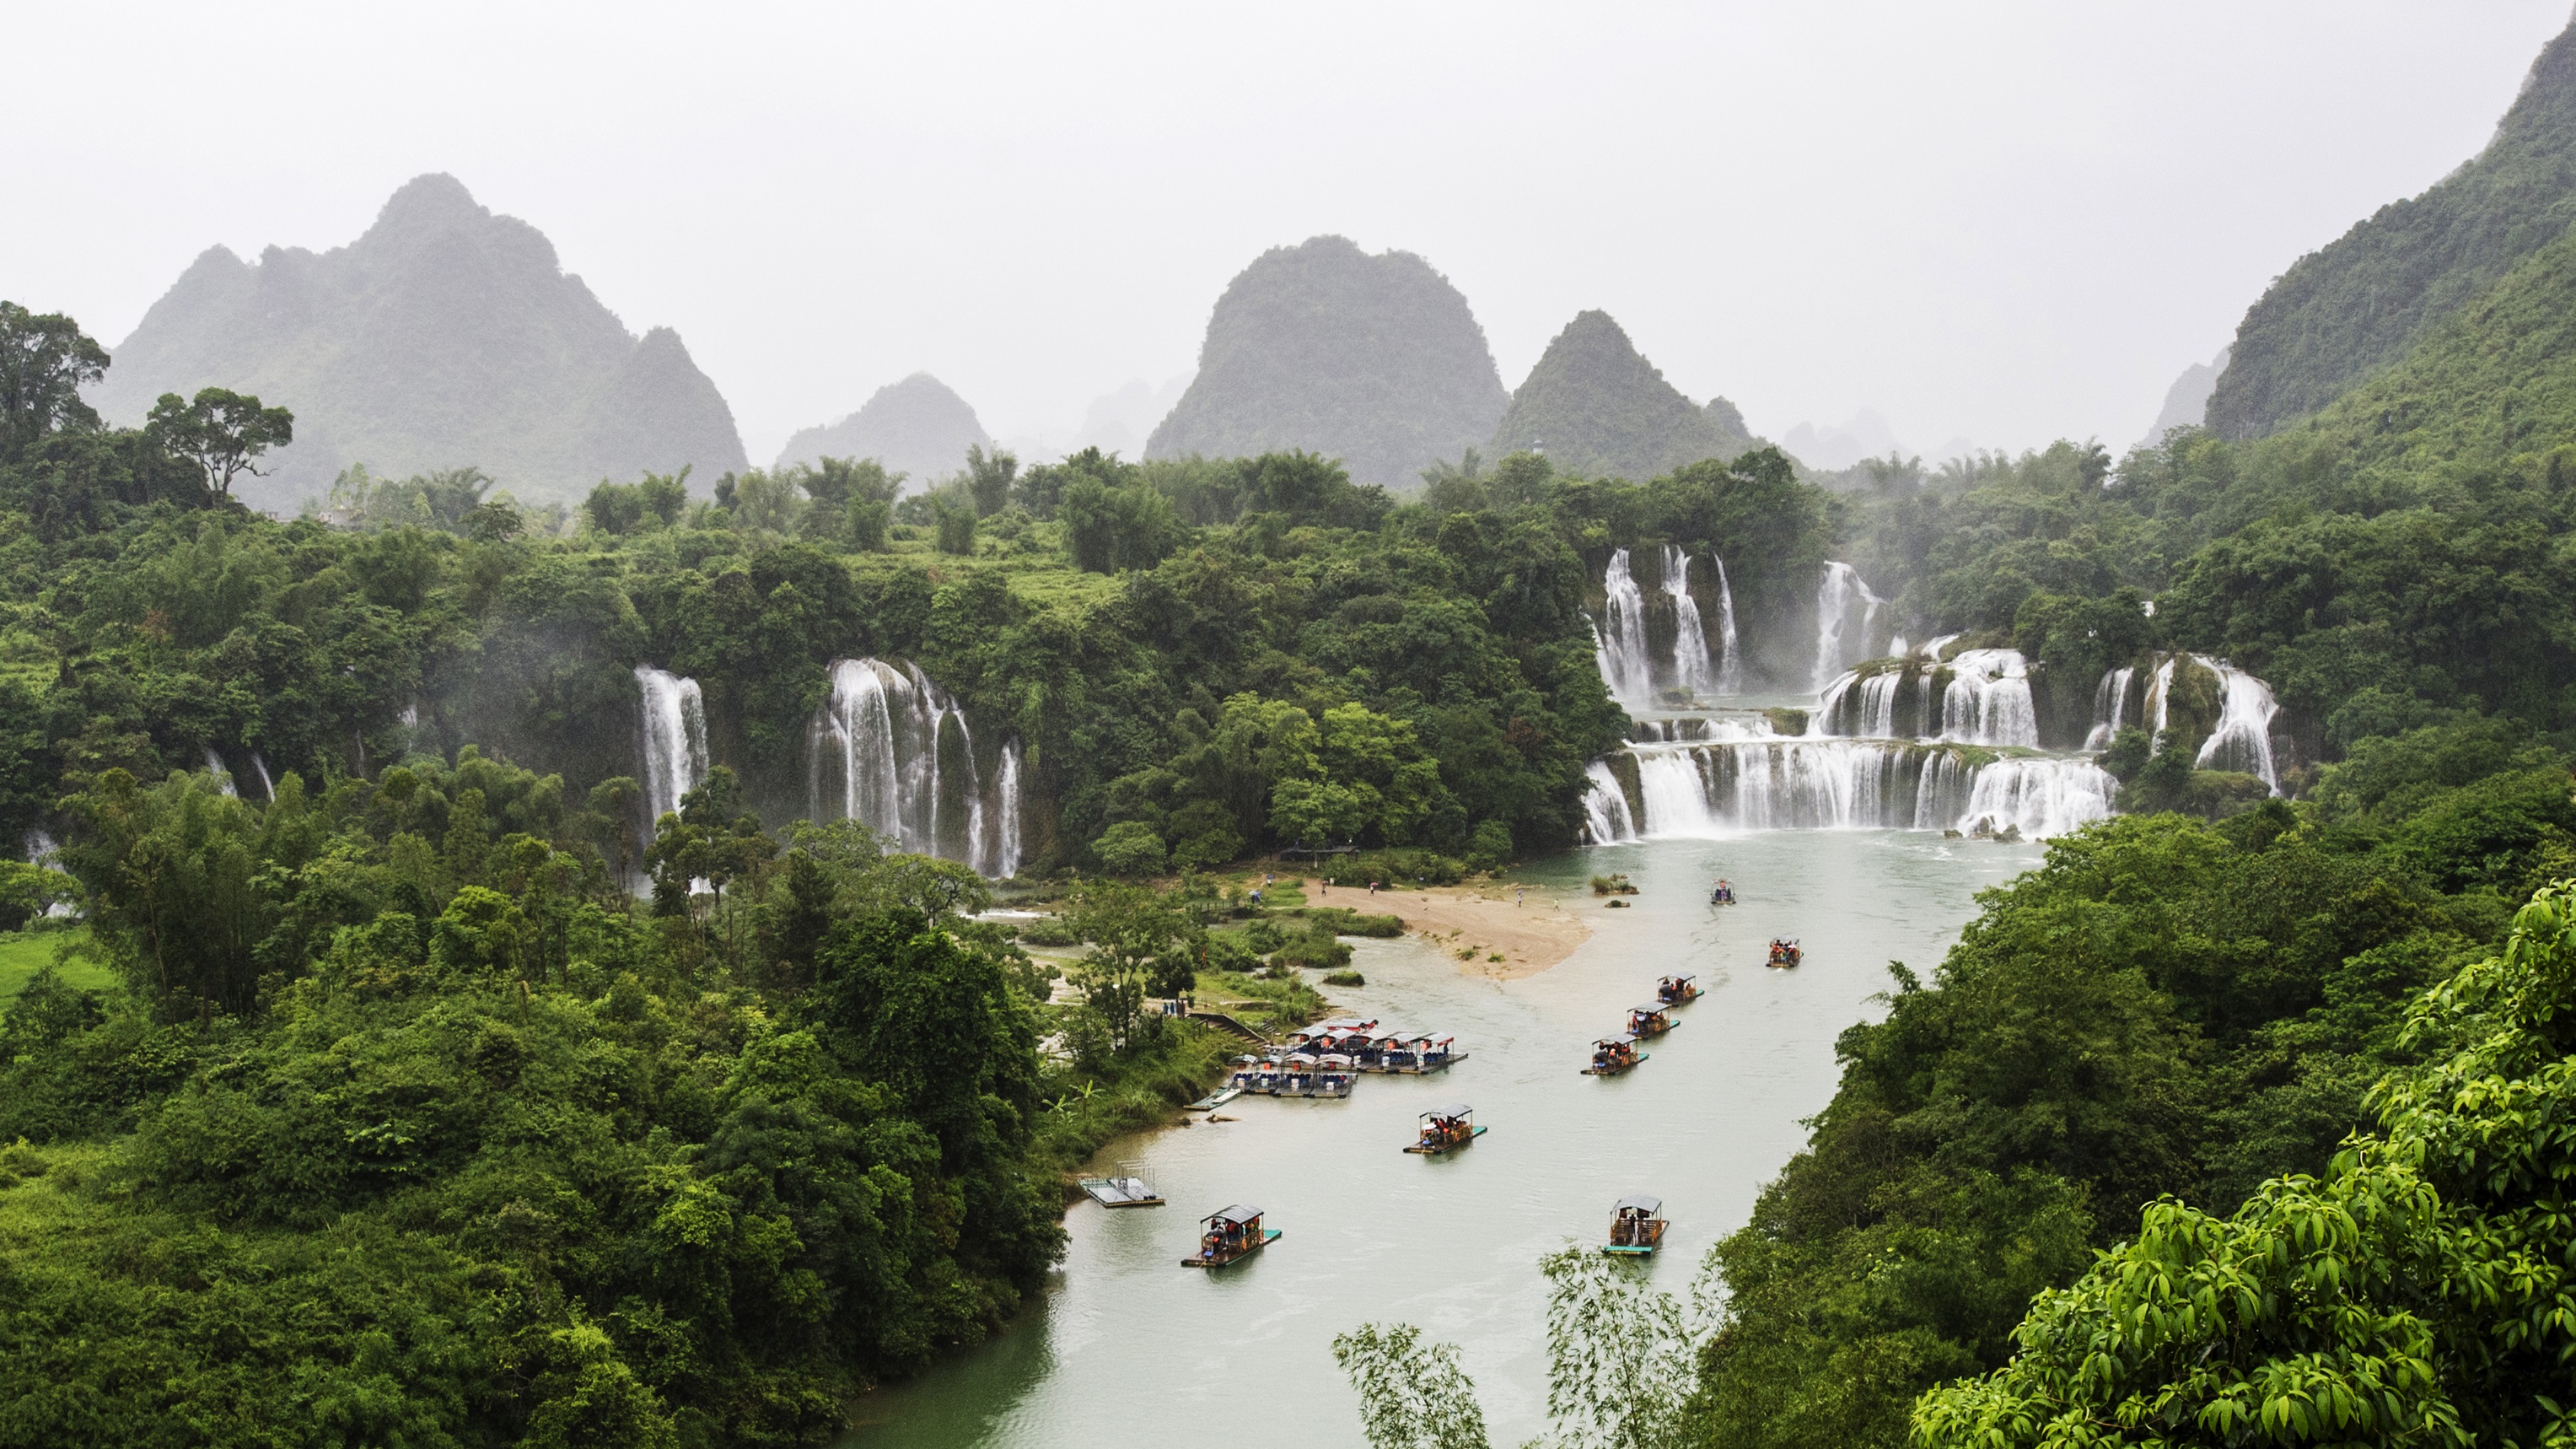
(1475, 924)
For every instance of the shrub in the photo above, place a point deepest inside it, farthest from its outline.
(1129, 847)
(1343, 921)
(1049, 931)
(1345, 978)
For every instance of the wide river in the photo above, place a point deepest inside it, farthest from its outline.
(1129, 1350)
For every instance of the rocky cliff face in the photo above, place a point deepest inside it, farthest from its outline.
(443, 337)
(918, 426)
(1598, 407)
(2341, 313)
(1375, 360)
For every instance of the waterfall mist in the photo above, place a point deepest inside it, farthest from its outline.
(1838, 594)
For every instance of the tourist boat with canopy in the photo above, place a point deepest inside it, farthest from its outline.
(1612, 1055)
(1445, 1129)
(1636, 1226)
(1675, 990)
(1649, 1020)
(1230, 1236)
(1723, 893)
(1785, 951)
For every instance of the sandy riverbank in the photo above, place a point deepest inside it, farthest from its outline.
(1476, 925)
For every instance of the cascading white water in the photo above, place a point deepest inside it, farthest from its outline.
(1690, 641)
(267, 787)
(223, 774)
(1730, 669)
(1605, 808)
(1625, 665)
(2242, 739)
(1718, 789)
(674, 719)
(892, 750)
(2110, 702)
(998, 848)
(1841, 588)
(1988, 701)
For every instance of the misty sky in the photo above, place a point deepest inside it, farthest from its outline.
(1999, 222)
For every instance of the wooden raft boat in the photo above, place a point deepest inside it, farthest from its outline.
(1230, 1236)
(1445, 1129)
(1785, 951)
(1636, 1226)
(1677, 990)
(1612, 1055)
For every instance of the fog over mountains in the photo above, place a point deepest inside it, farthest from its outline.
(1598, 407)
(918, 426)
(1375, 360)
(445, 336)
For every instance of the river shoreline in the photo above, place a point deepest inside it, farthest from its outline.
(1529, 928)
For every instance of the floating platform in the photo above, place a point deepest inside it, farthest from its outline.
(1214, 1100)
(1268, 1236)
(1427, 1150)
(1627, 1066)
(1121, 1192)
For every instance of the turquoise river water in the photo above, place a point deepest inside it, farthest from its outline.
(1129, 1349)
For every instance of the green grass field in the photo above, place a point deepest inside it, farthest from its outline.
(23, 954)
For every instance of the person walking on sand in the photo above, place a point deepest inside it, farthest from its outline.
(1517, 892)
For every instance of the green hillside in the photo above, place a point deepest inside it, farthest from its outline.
(1596, 406)
(1372, 359)
(2360, 302)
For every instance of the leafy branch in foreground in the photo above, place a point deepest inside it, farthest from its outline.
(1622, 1361)
(2418, 1294)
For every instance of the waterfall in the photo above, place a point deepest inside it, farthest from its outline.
(891, 750)
(2243, 737)
(267, 787)
(1730, 670)
(998, 854)
(1625, 665)
(1690, 641)
(1707, 790)
(674, 719)
(2110, 702)
(223, 774)
(1605, 808)
(1988, 700)
(1840, 588)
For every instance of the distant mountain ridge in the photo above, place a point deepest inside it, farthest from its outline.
(1373, 359)
(2342, 312)
(918, 426)
(444, 336)
(1598, 407)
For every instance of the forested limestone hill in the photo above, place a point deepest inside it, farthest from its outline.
(444, 337)
(1600, 408)
(919, 427)
(2359, 303)
(1374, 360)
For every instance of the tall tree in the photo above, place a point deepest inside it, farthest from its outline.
(222, 432)
(44, 362)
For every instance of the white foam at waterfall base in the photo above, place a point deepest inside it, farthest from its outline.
(1620, 642)
(1841, 587)
(673, 716)
(1701, 791)
(1690, 641)
(223, 776)
(1730, 669)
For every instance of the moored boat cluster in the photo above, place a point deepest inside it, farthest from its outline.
(1326, 1059)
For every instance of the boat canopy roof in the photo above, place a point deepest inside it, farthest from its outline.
(1625, 1038)
(1677, 980)
(1238, 1215)
(1641, 1202)
(1454, 1109)
(1651, 1008)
